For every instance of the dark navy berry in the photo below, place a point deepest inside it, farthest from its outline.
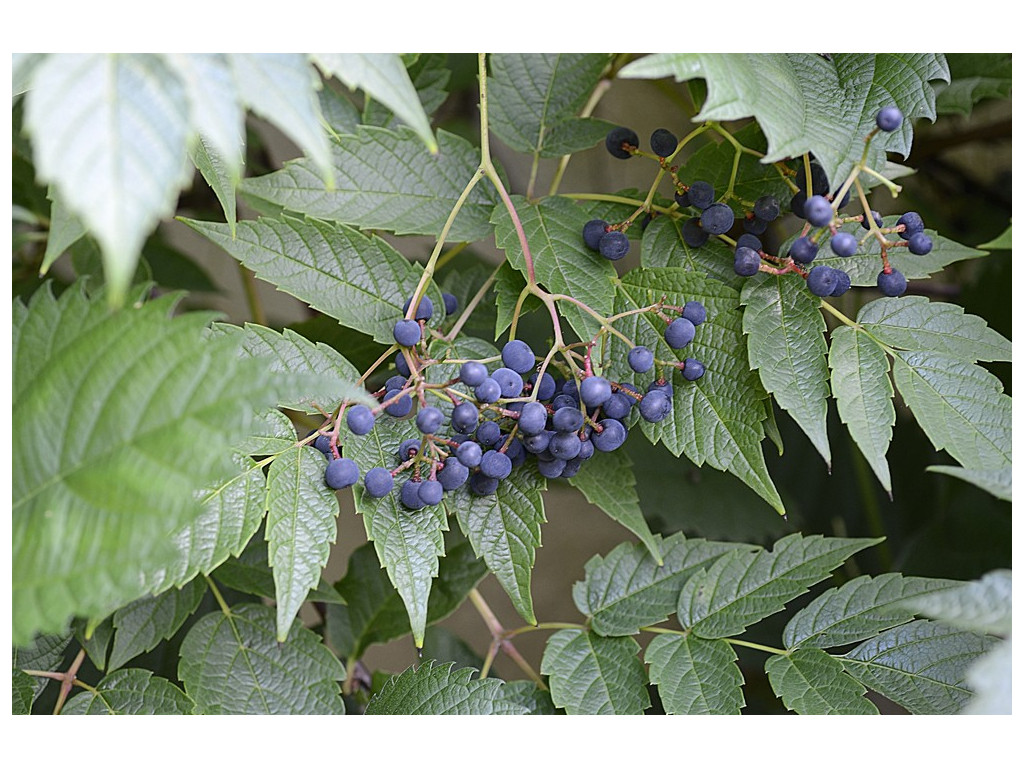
(546, 389)
(567, 419)
(551, 469)
(701, 194)
(866, 223)
(488, 391)
(453, 474)
(912, 224)
(803, 250)
(640, 359)
(395, 382)
(424, 310)
(429, 420)
(695, 312)
(407, 332)
(518, 356)
(565, 445)
(617, 141)
(717, 219)
(611, 437)
(400, 407)
(682, 199)
(655, 406)
(378, 482)
(572, 466)
(747, 240)
(593, 231)
(767, 208)
(538, 443)
(679, 333)
(796, 204)
(586, 449)
(892, 284)
(919, 243)
(472, 373)
(843, 244)
(822, 280)
(842, 283)
(408, 448)
(889, 118)
(488, 433)
(693, 369)
(819, 180)
(618, 406)
(511, 383)
(469, 453)
(402, 366)
(693, 235)
(431, 492)
(464, 418)
(481, 485)
(341, 473)
(451, 304)
(495, 464)
(818, 211)
(323, 444)
(747, 262)
(533, 419)
(595, 391)
(663, 142)
(613, 245)
(359, 419)
(754, 225)
(410, 495)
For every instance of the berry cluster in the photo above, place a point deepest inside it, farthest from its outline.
(504, 415)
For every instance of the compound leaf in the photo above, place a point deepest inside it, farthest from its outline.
(43, 652)
(975, 77)
(131, 692)
(695, 676)
(141, 625)
(429, 75)
(810, 682)
(663, 246)
(998, 482)
(440, 689)
(594, 675)
(982, 605)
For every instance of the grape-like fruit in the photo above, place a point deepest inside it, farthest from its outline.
(701, 194)
(538, 443)
(766, 208)
(378, 482)
(640, 359)
(533, 418)
(429, 420)
(919, 243)
(747, 240)
(407, 332)
(679, 333)
(481, 485)
(593, 231)
(451, 304)
(518, 356)
(472, 373)
(717, 219)
(693, 235)
(892, 284)
(395, 382)
(822, 280)
(843, 244)
(424, 310)
(341, 473)
(410, 495)
(618, 406)
(552, 468)
(889, 118)
(568, 419)
(402, 366)
(546, 389)
(323, 444)
(695, 312)
(495, 464)
(469, 453)
(431, 492)
(803, 250)
(359, 420)
(595, 391)
(912, 224)
(400, 407)
(842, 283)
(511, 383)
(453, 474)
(663, 142)
(693, 369)
(618, 137)
(488, 433)
(818, 211)
(655, 406)
(408, 448)
(611, 437)
(613, 245)
(565, 445)
(464, 418)
(488, 391)
(747, 262)
(866, 223)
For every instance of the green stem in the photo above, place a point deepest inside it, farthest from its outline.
(218, 597)
(588, 110)
(757, 646)
(252, 297)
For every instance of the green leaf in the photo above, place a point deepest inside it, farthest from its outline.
(375, 612)
(383, 77)
(593, 675)
(960, 406)
(281, 87)
(504, 529)
(786, 344)
(65, 230)
(508, 286)
(22, 693)
(431, 689)
(561, 261)
(858, 610)
(429, 75)
(627, 589)
(233, 664)
(717, 419)
(526, 693)
(916, 324)
(695, 676)
(863, 393)
(272, 433)
(606, 480)
(998, 482)
(250, 573)
(141, 625)
(109, 131)
(301, 526)
(663, 246)
(386, 180)
(43, 652)
(810, 682)
(975, 77)
(530, 94)
(218, 174)
(920, 666)
(1002, 242)
(119, 420)
(340, 114)
(131, 692)
(991, 679)
(741, 588)
(982, 605)
(408, 543)
(796, 98)
(360, 281)
(575, 134)
(22, 69)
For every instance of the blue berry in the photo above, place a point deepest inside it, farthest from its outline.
(663, 142)
(618, 406)
(586, 449)
(619, 140)
(664, 386)
(747, 240)
(464, 418)
(692, 233)
(693, 369)
(538, 443)
(402, 366)
(424, 310)
(481, 485)
(410, 495)
(912, 224)
(451, 304)
(679, 333)
(695, 312)
(453, 474)
(431, 492)
(747, 262)
(613, 245)
(819, 180)
(568, 419)
(682, 199)
(919, 243)
(511, 383)
(893, 284)
(359, 419)
(595, 391)
(470, 453)
(565, 445)
(341, 473)
(495, 464)
(818, 211)
(407, 332)
(717, 219)
(378, 482)
(701, 194)
(889, 118)
(866, 223)
(766, 208)
(518, 356)
(488, 391)
(803, 250)
(472, 373)
(408, 448)
(822, 280)
(488, 433)
(611, 437)
(401, 407)
(546, 389)
(323, 444)
(842, 283)
(572, 466)
(533, 418)
(843, 244)
(551, 468)
(395, 382)
(593, 231)
(655, 406)
(429, 420)
(640, 359)
(564, 401)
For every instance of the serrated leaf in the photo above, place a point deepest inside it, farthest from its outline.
(119, 419)
(233, 664)
(386, 180)
(271, 433)
(281, 87)
(383, 77)
(360, 281)
(920, 666)
(375, 612)
(526, 693)
(429, 75)
(810, 682)
(863, 393)
(627, 589)
(916, 324)
(974, 78)
(717, 419)
(561, 261)
(408, 542)
(982, 605)
(741, 588)
(593, 675)
(663, 246)
(431, 689)
(464, 280)
(65, 230)
(796, 98)
(95, 637)
(250, 573)
(998, 482)
(786, 344)
(859, 609)
(43, 652)
(607, 481)
(218, 174)
(340, 114)
(504, 529)
(991, 680)
(301, 527)
(22, 693)
(530, 94)
(140, 626)
(109, 131)
(695, 676)
(131, 692)
(960, 406)
(508, 286)
(575, 134)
